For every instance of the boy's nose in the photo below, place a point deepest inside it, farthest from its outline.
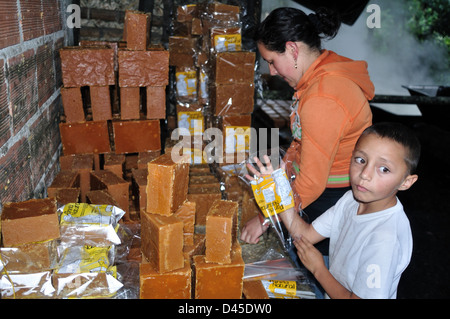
(365, 174)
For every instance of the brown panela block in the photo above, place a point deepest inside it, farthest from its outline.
(203, 201)
(115, 163)
(143, 68)
(167, 185)
(87, 66)
(186, 213)
(234, 67)
(117, 187)
(85, 138)
(175, 284)
(139, 187)
(67, 195)
(137, 25)
(100, 103)
(73, 104)
(100, 197)
(145, 157)
(254, 289)
(136, 136)
(223, 12)
(162, 241)
(64, 179)
(156, 102)
(83, 164)
(29, 258)
(216, 281)
(221, 230)
(197, 248)
(249, 208)
(31, 221)
(130, 103)
(234, 98)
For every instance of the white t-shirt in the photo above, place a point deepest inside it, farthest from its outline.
(368, 253)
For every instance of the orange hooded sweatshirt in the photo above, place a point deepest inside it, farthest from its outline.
(329, 113)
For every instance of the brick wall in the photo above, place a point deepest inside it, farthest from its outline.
(31, 33)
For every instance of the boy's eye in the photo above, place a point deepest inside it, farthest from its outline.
(384, 169)
(359, 160)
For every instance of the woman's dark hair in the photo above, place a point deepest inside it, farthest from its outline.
(290, 24)
(401, 134)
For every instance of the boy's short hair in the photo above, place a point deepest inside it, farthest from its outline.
(402, 135)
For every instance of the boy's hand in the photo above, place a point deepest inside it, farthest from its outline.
(252, 230)
(311, 258)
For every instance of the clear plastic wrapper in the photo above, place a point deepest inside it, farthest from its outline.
(27, 286)
(84, 259)
(28, 258)
(86, 285)
(86, 224)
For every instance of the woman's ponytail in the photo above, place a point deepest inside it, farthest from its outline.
(327, 22)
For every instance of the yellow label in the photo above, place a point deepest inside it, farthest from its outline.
(285, 288)
(186, 83)
(82, 213)
(237, 139)
(273, 197)
(227, 42)
(192, 121)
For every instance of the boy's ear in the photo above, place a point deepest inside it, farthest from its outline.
(408, 182)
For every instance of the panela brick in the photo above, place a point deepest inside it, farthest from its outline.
(186, 213)
(85, 138)
(130, 103)
(162, 241)
(136, 136)
(115, 163)
(100, 197)
(216, 281)
(67, 195)
(203, 201)
(31, 221)
(137, 26)
(175, 284)
(143, 68)
(72, 104)
(254, 289)
(139, 187)
(117, 187)
(221, 229)
(100, 103)
(83, 164)
(87, 66)
(145, 157)
(156, 102)
(64, 179)
(167, 184)
(234, 98)
(234, 67)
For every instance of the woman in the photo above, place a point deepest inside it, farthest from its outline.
(329, 112)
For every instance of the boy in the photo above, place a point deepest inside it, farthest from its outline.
(370, 236)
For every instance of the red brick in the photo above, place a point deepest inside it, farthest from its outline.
(136, 136)
(82, 66)
(73, 104)
(5, 118)
(85, 138)
(100, 103)
(52, 16)
(143, 68)
(9, 24)
(137, 25)
(130, 102)
(32, 19)
(22, 88)
(45, 73)
(15, 170)
(156, 102)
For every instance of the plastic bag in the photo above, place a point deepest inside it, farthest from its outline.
(30, 285)
(86, 224)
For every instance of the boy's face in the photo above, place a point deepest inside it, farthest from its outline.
(377, 171)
